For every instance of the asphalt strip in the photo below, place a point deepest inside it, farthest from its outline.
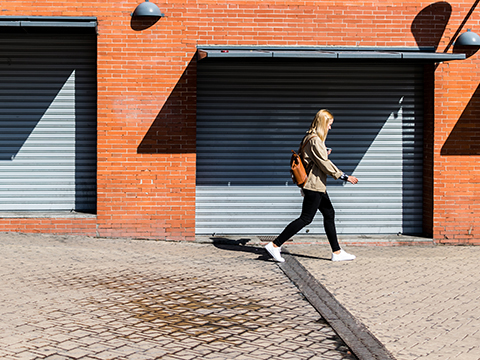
(354, 333)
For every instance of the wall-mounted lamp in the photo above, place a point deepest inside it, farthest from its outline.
(468, 38)
(145, 15)
(147, 9)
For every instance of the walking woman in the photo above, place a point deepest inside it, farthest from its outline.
(315, 157)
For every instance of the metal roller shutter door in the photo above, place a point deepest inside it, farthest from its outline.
(251, 113)
(47, 122)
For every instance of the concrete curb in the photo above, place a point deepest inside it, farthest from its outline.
(357, 337)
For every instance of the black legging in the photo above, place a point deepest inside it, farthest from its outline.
(312, 201)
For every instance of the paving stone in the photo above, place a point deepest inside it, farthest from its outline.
(26, 355)
(418, 301)
(85, 298)
(78, 353)
(108, 355)
(57, 357)
(68, 345)
(139, 356)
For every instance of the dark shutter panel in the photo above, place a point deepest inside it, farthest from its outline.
(47, 122)
(251, 113)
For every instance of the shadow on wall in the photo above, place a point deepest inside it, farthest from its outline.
(143, 23)
(465, 136)
(468, 51)
(173, 130)
(430, 23)
(458, 49)
(428, 28)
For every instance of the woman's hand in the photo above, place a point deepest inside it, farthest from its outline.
(352, 179)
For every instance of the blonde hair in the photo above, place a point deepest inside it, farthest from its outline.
(319, 124)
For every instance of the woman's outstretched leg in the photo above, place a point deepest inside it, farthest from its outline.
(311, 201)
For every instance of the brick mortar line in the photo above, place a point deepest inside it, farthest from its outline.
(353, 332)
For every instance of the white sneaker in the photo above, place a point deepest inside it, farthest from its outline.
(343, 256)
(274, 251)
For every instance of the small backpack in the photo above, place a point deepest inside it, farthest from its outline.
(297, 170)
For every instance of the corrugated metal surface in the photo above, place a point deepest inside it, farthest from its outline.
(251, 113)
(47, 122)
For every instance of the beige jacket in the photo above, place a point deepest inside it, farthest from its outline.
(318, 166)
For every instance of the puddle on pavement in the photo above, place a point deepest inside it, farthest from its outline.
(177, 305)
(202, 310)
(218, 311)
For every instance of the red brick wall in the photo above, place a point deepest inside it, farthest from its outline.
(60, 225)
(457, 150)
(457, 136)
(146, 98)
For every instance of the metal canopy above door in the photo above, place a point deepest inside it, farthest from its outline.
(49, 22)
(382, 53)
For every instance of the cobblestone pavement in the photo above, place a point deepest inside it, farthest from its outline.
(421, 302)
(82, 298)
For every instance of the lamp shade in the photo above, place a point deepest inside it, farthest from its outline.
(468, 38)
(147, 9)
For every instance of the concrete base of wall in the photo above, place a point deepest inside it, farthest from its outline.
(348, 240)
(44, 215)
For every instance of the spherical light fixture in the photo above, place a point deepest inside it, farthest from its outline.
(147, 9)
(468, 38)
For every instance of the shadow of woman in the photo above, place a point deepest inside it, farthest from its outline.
(241, 245)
